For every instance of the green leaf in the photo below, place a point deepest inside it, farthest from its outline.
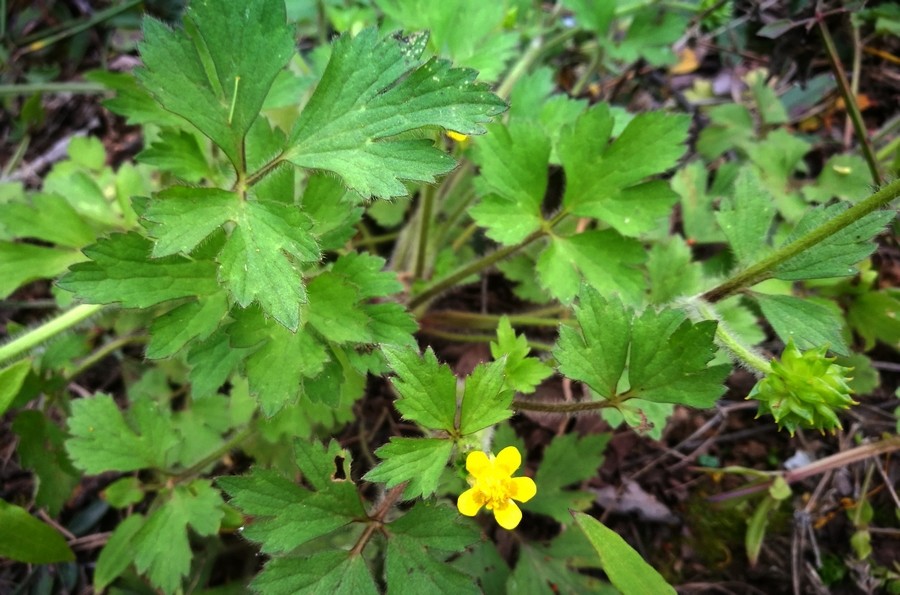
(419, 461)
(746, 217)
(41, 450)
(120, 271)
(666, 354)
(288, 515)
(334, 309)
(409, 568)
(808, 323)
(486, 399)
(179, 217)
(608, 181)
(650, 36)
(671, 271)
(212, 361)
(838, 254)
(104, 440)
(512, 181)
(469, 32)
(23, 538)
(260, 259)
(845, 177)
(22, 263)
(374, 89)
(875, 315)
(669, 357)
(731, 125)
(521, 373)
(177, 152)
(282, 360)
(697, 213)
(607, 260)
(256, 263)
(543, 570)
(88, 152)
(192, 321)
(625, 568)
(598, 353)
(567, 460)
(118, 552)
(333, 572)
(12, 378)
(40, 219)
(124, 492)
(316, 461)
(333, 210)
(162, 550)
(427, 389)
(217, 70)
(436, 526)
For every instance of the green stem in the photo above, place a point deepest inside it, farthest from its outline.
(259, 174)
(424, 229)
(236, 439)
(763, 269)
(850, 101)
(475, 267)
(102, 352)
(582, 81)
(49, 329)
(77, 28)
(565, 407)
(535, 49)
(733, 344)
(32, 88)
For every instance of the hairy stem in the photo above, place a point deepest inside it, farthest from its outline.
(763, 269)
(743, 353)
(48, 330)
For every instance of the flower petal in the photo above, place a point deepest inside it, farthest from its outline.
(468, 503)
(477, 463)
(508, 460)
(524, 488)
(509, 516)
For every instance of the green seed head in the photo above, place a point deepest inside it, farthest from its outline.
(804, 390)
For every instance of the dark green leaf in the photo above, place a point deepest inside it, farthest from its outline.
(23, 538)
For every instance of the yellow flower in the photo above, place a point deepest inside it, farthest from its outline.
(453, 135)
(494, 488)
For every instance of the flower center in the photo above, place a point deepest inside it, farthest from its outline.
(496, 492)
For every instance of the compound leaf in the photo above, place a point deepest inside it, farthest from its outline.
(664, 354)
(333, 572)
(513, 180)
(215, 72)
(104, 440)
(373, 90)
(161, 546)
(838, 254)
(121, 270)
(419, 461)
(522, 373)
(427, 388)
(567, 460)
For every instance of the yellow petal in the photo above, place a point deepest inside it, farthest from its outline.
(524, 488)
(509, 460)
(509, 516)
(468, 503)
(477, 463)
(458, 137)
